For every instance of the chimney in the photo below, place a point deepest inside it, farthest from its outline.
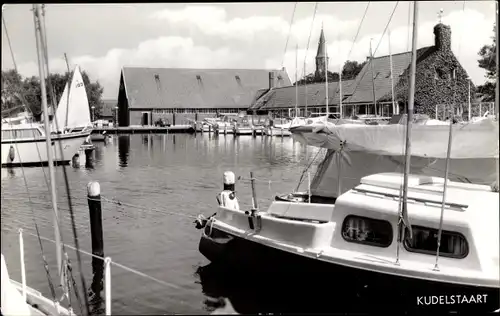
(442, 37)
(271, 80)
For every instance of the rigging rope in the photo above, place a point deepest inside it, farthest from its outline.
(309, 42)
(359, 29)
(305, 57)
(66, 181)
(289, 32)
(132, 270)
(46, 266)
(380, 41)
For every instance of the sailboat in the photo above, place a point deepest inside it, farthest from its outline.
(73, 112)
(393, 241)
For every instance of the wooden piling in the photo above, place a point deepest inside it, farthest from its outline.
(95, 212)
(173, 119)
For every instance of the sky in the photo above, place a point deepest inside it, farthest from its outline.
(103, 38)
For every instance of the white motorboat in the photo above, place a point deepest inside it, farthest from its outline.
(24, 144)
(242, 126)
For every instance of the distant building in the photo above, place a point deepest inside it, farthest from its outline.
(108, 110)
(371, 89)
(179, 95)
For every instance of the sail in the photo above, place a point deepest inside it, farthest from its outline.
(78, 108)
(73, 111)
(59, 121)
(472, 140)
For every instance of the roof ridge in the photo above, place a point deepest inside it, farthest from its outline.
(203, 69)
(408, 52)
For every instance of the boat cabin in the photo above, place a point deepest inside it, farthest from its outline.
(364, 222)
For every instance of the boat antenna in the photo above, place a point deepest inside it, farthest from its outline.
(296, 80)
(404, 220)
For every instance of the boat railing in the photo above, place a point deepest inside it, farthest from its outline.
(107, 271)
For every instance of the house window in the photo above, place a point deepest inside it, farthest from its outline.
(453, 245)
(369, 231)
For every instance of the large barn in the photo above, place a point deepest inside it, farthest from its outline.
(371, 90)
(179, 95)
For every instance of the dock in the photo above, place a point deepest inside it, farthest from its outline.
(139, 129)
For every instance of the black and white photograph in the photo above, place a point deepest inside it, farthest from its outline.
(265, 158)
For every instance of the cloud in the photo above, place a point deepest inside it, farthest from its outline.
(213, 21)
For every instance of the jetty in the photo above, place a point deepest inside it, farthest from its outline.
(139, 129)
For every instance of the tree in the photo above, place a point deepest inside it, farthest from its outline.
(313, 78)
(15, 88)
(351, 69)
(349, 72)
(11, 83)
(487, 61)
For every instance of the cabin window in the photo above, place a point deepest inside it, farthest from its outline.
(26, 133)
(7, 135)
(369, 231)
(453, 245)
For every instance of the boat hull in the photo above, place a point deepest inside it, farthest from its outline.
(33, 152)
(297, 283)
(273, 131)
(243, 131)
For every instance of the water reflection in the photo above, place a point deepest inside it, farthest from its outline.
(123, 150)
(96, 288)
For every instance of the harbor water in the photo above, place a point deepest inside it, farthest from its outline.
(152, 187)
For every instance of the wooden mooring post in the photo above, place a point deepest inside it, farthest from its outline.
(95, 215)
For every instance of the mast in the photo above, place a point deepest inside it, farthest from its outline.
(497, 96)
(305, 86)
(373, 78)
(394, 110)
(496, 89)
(340, 84)
(296, 84)
(69, 90)
(48, 141)
(326, 81)
(411, 100)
